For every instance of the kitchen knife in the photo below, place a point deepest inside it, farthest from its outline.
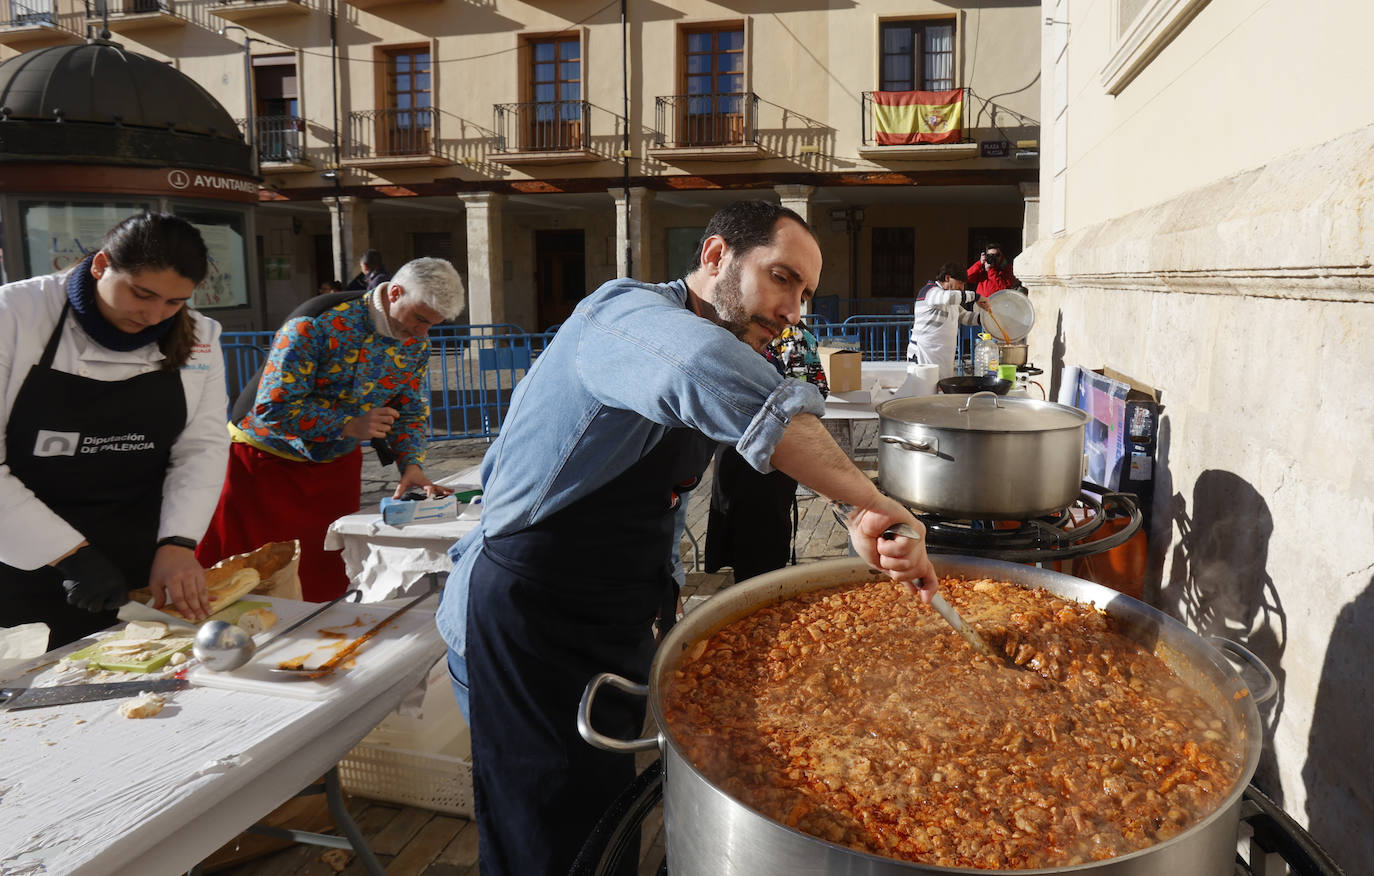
(13, 699)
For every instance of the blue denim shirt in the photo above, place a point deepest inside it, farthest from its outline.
(630, 363)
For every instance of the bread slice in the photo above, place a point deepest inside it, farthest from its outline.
(257, 620)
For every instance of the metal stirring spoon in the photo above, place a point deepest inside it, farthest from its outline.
(937, 602)
(223, 647)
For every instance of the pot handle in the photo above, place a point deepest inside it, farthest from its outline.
(985, 394)
(1246, 656)
(926, 445)
(584, 715)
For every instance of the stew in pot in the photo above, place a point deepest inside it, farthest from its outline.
(856, 715)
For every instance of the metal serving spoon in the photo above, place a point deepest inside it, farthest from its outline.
(223, 647)
(937, 602)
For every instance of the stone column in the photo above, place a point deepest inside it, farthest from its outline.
(486, 304)
(638, 233)
(1030, 225)
(797, 199)
(348, 231)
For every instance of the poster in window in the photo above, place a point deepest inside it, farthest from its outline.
(226, 283)
(58, 235)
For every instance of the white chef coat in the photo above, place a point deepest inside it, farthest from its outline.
(935, 326)
(33, 535)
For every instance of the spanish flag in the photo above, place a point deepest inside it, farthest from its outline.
(901, 118)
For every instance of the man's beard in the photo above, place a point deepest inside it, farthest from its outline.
(730, 310)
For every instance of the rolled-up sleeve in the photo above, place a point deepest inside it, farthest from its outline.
(792, 397)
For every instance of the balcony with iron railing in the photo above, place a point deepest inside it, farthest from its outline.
(131, 15)
(709, 126)
(543, 132)
(34, 24)
(279, 141)
(245, 10)
(394, 138)
(935, 136)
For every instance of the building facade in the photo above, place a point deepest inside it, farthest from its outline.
(1206, 226)
(546, 148)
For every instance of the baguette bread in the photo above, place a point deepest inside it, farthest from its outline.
(226, 587)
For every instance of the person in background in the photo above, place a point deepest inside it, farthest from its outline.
(354, 372)
(992, 271)
(625, 404)
(372, 273)
(936, 318)
(753, 516)
(114, 447)
(328, 286)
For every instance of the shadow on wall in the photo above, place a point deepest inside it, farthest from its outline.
(1338, 779)
(1218, 584)
(1057, 356)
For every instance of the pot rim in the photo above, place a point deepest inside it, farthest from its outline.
(1016, 409)
(781, 584)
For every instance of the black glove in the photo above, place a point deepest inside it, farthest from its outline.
(92, 582)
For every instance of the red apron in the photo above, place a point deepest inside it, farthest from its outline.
(267, 498)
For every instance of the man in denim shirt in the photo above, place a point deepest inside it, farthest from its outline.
(569, 569)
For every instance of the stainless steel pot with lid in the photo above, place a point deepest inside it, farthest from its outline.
(980, 457)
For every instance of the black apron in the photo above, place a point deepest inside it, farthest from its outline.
(752, 523)
(96, 453)
(548, 608)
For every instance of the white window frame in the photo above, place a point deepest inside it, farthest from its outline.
(1154, 27)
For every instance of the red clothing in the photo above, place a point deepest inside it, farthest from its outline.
(276, 499)
(994, 280)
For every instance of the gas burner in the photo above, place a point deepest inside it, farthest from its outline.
(1041, 539)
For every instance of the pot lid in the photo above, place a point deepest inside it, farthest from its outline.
(982, 412)
(1013, 310)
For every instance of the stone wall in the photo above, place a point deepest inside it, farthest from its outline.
(1250, 304)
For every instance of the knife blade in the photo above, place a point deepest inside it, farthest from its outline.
(13, 699)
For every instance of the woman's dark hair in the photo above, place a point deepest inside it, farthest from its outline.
(155, 241)
(744, 225)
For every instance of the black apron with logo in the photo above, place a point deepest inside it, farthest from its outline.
(548, 608)
(96, 453)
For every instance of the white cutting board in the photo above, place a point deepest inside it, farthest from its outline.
(346, 617)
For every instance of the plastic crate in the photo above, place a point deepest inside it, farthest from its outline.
(428, 780)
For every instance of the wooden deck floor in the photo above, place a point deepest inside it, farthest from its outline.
(417, 842)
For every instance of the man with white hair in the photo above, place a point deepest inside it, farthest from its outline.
(343, 369)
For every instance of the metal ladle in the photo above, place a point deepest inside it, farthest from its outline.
(937, 602)
(224, 647)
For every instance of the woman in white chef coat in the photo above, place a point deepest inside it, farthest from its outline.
(112, 401)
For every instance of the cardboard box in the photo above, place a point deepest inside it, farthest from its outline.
(398, 512)
(842, 368)
(1119, 442)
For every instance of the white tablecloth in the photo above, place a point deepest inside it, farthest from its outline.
(387, 561)
(85, 791)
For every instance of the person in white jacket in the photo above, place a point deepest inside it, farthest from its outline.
(112, 401)
(938, 314)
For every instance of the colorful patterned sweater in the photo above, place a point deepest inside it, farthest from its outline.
(793, 353)
(332, 368)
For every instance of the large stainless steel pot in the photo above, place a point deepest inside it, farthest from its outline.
(709, 833)
(980, 457)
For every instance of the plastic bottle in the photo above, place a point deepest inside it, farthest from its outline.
(984, 355)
